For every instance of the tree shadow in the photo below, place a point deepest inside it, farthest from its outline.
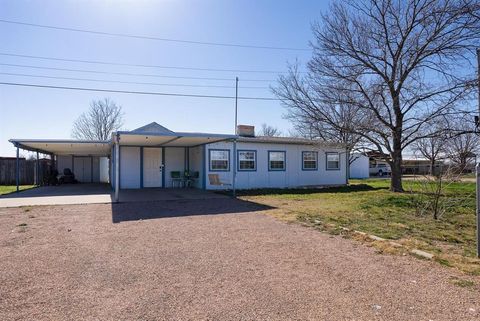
(309, 190)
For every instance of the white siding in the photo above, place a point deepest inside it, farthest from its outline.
(129, 167)
(293, 176)
(174, 161)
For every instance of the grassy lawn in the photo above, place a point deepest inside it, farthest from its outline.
(368, 206)
(7, 189)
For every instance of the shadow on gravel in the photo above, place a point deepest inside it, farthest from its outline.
(176, 208)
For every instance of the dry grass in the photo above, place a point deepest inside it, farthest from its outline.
(370, 207)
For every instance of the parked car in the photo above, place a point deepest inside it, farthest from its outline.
(380, 169)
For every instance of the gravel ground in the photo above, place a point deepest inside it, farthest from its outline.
(74, 263)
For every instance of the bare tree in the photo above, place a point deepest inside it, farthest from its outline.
(397, 61)
(269, 131)
(102, 119)
(432, 143)
(463, 147)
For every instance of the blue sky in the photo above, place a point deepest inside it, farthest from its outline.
(49, 113)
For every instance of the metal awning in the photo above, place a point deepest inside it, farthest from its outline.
(64, 146)
(173, 139)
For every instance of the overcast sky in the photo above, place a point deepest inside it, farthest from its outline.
(49, 113)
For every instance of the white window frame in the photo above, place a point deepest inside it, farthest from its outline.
(211, 153)
(240, 160)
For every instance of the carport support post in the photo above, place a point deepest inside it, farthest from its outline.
(17, 170)
(117, 168)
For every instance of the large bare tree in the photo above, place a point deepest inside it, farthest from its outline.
(402, 63)
(99, 122)
(317, 119)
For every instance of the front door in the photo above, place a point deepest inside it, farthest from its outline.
(152, 167)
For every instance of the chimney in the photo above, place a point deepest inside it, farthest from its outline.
(246, 131)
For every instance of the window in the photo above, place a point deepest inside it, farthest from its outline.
(309, 161)
(247, 160)
(333, 161)
(276, 161)
(219, 159)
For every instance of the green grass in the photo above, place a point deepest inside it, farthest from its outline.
(7, 189)
(369, 206)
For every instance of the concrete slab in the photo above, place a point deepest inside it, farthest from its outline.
(59, 195)
(99, 193)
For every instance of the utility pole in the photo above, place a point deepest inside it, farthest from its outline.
(477, 166)
(236, 104)
(234, 192)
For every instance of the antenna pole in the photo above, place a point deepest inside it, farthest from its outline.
(236, 104)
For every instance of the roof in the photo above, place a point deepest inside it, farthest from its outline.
(153, 128)
(150, 135)
(156, 135)
(287, 140)
(65, 146)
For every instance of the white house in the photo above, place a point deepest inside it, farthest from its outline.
(154, 156)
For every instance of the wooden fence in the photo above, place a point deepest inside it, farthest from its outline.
(27, 170)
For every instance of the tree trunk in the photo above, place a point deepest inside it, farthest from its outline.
(432, 167)
(396, 166)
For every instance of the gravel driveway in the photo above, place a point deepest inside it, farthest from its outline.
(160, 261)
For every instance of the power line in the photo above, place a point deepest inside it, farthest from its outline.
(113, 34)
(140, 65)
(133, 74)
(136, 92)
(127, 82)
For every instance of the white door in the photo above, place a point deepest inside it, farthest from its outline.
(152, 167)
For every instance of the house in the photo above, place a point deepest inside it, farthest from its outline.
(154, 156)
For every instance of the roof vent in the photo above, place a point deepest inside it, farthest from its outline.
(246, 131)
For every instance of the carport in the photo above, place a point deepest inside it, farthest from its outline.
(138, 159)
(60, 148)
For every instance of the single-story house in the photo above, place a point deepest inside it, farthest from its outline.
(154, 156)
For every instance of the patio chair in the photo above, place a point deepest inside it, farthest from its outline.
(214, 179)
(177, 178)
(191, 178)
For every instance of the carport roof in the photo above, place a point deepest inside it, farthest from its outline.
(155, 135)
(174, 139)
(64, 146)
